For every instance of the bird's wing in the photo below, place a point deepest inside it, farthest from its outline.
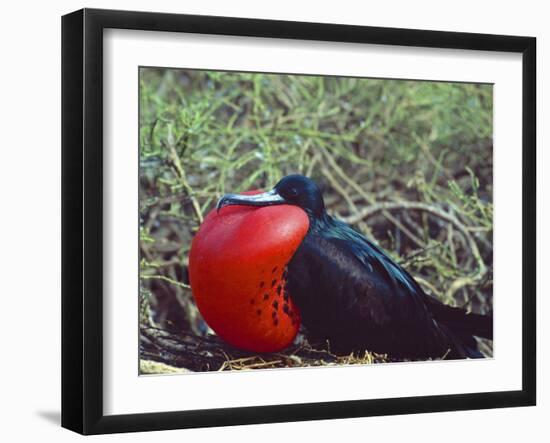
(351, 292)
(405, 285)
(340, 266)
(375, 261)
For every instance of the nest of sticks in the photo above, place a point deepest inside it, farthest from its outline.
(209, 353)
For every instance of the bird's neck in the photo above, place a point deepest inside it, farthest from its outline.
(319, 223)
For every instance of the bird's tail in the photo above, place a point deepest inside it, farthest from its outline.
(461, 327)
(461, 321)
(461, 345)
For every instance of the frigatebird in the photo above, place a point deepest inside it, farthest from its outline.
(353, 295)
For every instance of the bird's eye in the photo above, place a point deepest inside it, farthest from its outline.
(293, 192)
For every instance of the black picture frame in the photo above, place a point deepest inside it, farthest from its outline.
(82, 218)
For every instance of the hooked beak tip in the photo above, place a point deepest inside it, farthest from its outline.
(220, 204)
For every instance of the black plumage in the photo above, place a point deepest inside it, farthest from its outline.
(355, 296)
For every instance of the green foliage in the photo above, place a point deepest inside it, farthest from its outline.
(249, 129)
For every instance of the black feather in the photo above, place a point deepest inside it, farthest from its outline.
(355, 296)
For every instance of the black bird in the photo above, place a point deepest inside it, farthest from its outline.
(355, 296)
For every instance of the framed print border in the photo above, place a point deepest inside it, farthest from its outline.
(82, 220)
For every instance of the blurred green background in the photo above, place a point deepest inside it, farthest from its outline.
(408, 163)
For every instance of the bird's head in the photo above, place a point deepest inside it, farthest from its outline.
(296, 190)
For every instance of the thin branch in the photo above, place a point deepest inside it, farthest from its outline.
(369, 198)
(183, 180)
(166, 279)
(437, 212)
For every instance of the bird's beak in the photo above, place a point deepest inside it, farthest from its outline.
(264, 199)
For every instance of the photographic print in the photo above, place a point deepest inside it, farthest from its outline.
(290, 221)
